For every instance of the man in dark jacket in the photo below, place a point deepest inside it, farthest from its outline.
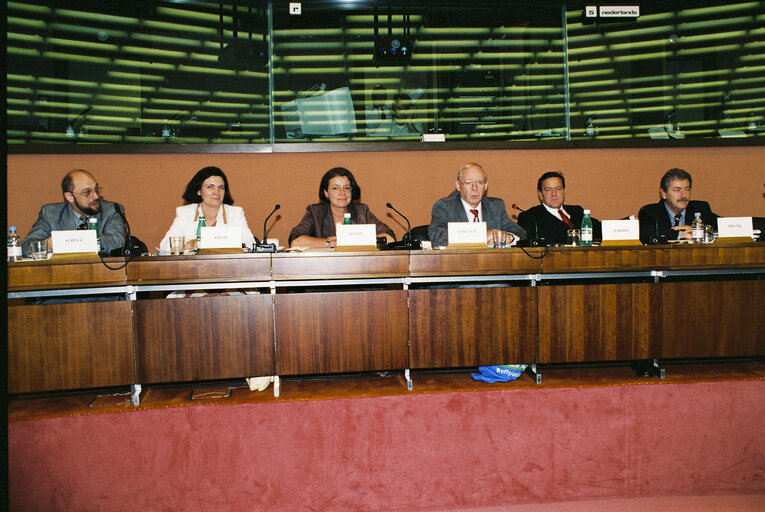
(670, 218)
(552, 219)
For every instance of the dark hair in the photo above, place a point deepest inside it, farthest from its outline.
(547, 175)
(66, 183)
(338, 171)
(674, 174)
(195, 185)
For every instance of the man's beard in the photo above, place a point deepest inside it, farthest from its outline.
(86, 209)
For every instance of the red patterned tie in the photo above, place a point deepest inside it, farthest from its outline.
(565, 218)
(475, 215)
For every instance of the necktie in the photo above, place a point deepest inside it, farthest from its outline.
(677, 220)
(565, 218)
(475, 215)
(83, 222)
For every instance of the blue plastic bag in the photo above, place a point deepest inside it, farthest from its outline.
(499, 373)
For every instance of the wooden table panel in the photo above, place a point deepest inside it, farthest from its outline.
(453, 327)
(199, 268)
(699, 256)
(69, 346)
(203, 338)
(341, 331)
(465, 262)
(714, 318)
(605, 259)
(599, 322)
(80, 272)
(327, 264)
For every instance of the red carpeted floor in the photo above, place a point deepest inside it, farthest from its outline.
(439, 451)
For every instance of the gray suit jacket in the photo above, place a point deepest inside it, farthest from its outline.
(60, 216)
(450, 209)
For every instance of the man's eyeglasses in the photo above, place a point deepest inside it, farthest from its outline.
(477, 183)
(90, 191)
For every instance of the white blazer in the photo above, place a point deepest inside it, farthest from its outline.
(185, 224)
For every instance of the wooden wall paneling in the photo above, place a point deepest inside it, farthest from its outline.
(325, 265)
(717, 255)
(204, 338)
(69, 346)
(605, 259)
(199, 268)
(50, 274)
(599, 322)
(341, 331)
(463, 327)
(467, 262)
(713, 318)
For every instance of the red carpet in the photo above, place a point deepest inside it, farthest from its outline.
(424, 452)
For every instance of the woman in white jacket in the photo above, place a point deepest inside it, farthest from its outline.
(206, 194)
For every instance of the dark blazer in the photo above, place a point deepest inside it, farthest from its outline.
(539, 223)
(318, 221)
(655, 221)
(60, 217)
(450, 209)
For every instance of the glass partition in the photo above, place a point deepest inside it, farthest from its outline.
(251, 73)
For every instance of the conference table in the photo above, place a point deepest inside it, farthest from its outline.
(84, 322)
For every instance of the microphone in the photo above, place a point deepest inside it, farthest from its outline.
(127, 247)
(407, 239)
(263, 246)
(653, 240)
(532, 242)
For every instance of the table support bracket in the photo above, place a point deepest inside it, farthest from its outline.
(277, 386)
(408, 379)
(135, 394)
(534, 372)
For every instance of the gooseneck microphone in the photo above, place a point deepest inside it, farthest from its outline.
(536, 240)
(127, 246)
(263, 246)
(408, 225)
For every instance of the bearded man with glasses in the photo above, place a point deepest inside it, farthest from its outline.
(82, 200)
(469, 203)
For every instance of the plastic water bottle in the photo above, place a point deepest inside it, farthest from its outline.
(347, 218)
(200, 225)
(93, 224)
(585, 237)
(697, 229)
(14, 245)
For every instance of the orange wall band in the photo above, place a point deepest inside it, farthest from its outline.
(613, 183)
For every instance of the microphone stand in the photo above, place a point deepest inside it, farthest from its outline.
(263, 246)
(407, 239)
(536, 241)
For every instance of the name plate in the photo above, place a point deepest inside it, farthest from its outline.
(621, 230)
(356, 235)
(729, 227)
(222, 237)
(72, 241)
(467, 233)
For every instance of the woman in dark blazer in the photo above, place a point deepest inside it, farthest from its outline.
(338, 195)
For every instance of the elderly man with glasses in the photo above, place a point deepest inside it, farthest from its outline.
(469, 203)
(82, 200)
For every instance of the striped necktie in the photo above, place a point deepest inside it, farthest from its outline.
(475, 215)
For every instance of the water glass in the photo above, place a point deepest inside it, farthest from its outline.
(39, 250)
(572, 237)
(709, 234)
(500, 239)
(176, 244)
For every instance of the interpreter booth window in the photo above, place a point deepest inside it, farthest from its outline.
(278, 74)
(395, 71)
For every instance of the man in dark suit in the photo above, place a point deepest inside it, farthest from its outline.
(82, 200)
(670, 218)
(552, 219)
(470, 204)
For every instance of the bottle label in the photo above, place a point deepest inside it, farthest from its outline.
(586, 235)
